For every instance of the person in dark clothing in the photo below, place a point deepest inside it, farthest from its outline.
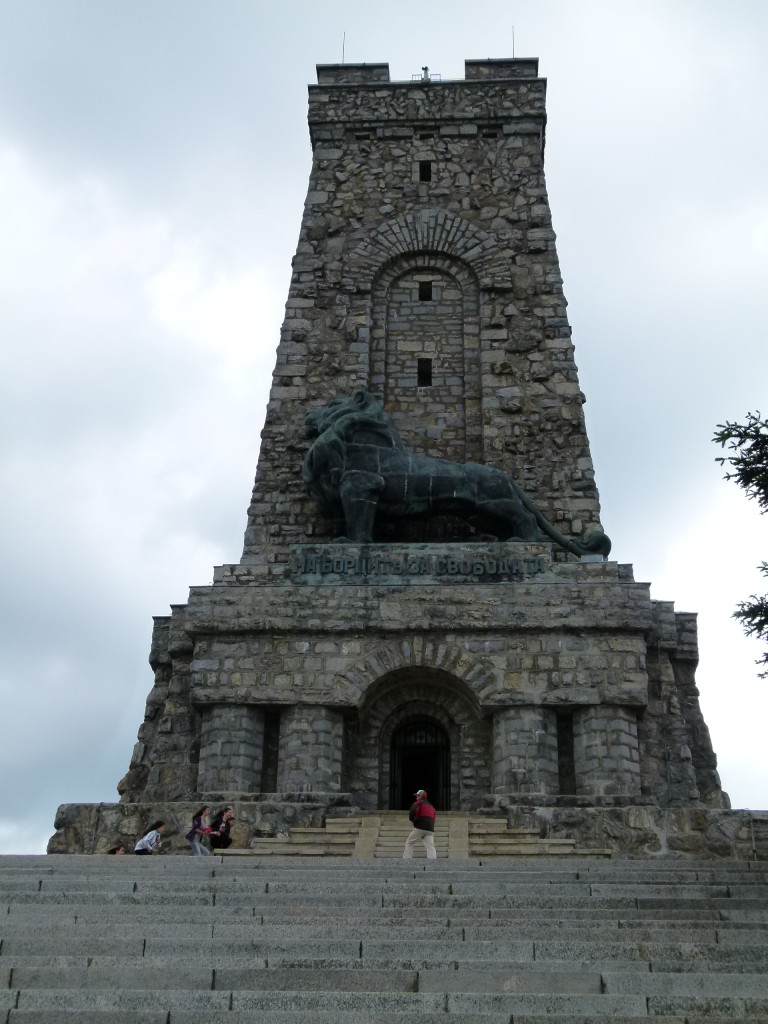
(219, 836)
(422, 816)
(199, 829)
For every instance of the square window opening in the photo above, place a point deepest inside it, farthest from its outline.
(424, 372)
(425, 170)
(425, 291)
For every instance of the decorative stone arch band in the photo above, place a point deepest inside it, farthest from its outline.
(432, 230)
(418, 652)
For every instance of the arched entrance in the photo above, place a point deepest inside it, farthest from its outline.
(419, 727)
(420, 758)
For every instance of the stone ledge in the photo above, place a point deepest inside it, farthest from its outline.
(639, 831)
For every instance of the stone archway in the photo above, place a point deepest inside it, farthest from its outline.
(381, 750)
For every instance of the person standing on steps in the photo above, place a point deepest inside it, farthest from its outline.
(422, 816)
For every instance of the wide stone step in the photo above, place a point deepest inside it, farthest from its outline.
(372, 1004)
(200, 1004)
(288, 848)
(18, 934)
(248, 1017)
(427, 876)
(144, 919)
(353, 1017)
(105, 973)
(187, 866)
(417, 953)
(49, 1016)
(333, 838)
(404, 826)
(690, 985)
(605, 905)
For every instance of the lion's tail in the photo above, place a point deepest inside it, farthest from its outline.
(596, 543)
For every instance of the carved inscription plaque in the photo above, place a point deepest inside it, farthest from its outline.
(403, 564)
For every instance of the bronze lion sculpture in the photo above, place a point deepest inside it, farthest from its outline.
(359, 467)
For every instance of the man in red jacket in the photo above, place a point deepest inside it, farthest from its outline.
(422, 814)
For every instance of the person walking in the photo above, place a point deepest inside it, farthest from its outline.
(422, 816)
(151, 841)
(199, 829)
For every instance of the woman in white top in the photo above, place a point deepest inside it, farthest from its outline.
(151, 841)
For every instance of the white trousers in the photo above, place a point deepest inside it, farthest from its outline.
(414, 837)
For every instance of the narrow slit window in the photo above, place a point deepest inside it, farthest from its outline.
(271, 750)
(424, 371)
(425, 291)
(425, 170)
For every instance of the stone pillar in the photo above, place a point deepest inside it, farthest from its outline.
(310, 749)
(525, 751)
(231, 748)
(605, 751)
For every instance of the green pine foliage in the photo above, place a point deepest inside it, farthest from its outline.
(747, 459)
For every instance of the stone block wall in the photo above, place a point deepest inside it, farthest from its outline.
(702, 755)
(495, 663)
(231, 747)
(637, 830)
(525, 751)
(630, 831)
(95, 828)
(310, 756)
(606, 756)
(678, 765)
(167, 753)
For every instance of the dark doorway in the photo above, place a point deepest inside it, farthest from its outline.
(420, 759)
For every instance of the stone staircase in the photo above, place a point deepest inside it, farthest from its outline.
(336, 839)
(382, 834)
(168, 939)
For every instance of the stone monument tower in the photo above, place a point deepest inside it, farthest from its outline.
(424, 598)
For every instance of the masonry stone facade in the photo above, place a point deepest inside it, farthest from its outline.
(508, 677)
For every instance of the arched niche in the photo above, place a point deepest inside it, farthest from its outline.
(444, 703)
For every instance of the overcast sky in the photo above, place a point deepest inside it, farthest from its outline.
(153, 166)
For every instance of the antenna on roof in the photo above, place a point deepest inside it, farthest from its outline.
(344, 43)
(513, 42)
